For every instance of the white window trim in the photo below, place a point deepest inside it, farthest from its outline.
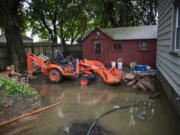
(176, 26)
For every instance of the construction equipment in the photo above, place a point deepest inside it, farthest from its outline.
(85, 70)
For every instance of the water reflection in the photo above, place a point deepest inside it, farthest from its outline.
(87, 97)
(84, 104)
(60, 113)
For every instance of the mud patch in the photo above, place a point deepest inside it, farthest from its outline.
(15, 105)
(38, 79)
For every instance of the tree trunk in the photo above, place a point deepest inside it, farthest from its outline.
(14, 42)
(55, 32)
(63, 43)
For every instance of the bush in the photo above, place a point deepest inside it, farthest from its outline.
(9, 86)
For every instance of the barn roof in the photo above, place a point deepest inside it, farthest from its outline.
(129, 33)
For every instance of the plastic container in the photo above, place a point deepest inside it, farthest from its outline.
(132, 65)
(120, 63)
(141, 67)
(120, 66)
(113, 63)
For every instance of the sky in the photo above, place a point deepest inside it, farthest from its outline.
(35, 38)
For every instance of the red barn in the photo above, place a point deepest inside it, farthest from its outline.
(129, 43)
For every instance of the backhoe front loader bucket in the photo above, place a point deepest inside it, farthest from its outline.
(113, 75)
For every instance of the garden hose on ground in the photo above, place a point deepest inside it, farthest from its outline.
(108, 112)
(28, 114)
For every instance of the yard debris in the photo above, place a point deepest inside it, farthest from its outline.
(140, 85)
(146, 73)
(10, 70)
(129, 76)
(155, 95)
(10, 73)
(140, 80)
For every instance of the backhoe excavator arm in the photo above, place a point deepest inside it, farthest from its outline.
(31, 58)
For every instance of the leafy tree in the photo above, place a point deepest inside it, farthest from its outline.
(119, 13)
(148, 11)
(9, 15)
(21, 20)
(56, 17)
(68, 18)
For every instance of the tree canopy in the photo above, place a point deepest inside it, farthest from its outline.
(69, 18)
(56, 17)
(119, 13)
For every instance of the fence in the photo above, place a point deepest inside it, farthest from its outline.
(37, 48)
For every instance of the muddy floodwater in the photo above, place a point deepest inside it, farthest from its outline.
(84, 104)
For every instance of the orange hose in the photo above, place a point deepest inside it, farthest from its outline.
(28, 114)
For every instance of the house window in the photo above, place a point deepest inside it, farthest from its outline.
(117, 47)
(97, 48)
(143, 46)
(177, 30)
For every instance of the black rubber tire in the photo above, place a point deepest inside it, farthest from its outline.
(59, 76)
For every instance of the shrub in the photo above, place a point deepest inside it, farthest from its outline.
(9, 86)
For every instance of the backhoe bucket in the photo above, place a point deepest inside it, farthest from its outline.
(113, 75)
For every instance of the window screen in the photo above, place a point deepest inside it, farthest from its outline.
(117, 47)
(97, 48)
(143, 46)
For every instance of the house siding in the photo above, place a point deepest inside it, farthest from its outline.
(167, 64)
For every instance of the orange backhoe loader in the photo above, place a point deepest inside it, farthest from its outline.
(85, 70)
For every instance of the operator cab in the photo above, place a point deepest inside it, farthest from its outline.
(68, 63)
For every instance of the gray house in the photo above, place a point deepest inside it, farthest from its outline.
(168, 49)
(24, 38)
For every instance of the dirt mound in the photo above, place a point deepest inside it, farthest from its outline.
(15, 105)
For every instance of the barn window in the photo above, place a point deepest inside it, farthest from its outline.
(143, 46)
(117, 47)
(97, 48)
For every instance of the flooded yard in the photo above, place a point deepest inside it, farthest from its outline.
(85, 104)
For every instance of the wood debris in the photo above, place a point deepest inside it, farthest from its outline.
(129, 76)
(142, 81)
(155, 95)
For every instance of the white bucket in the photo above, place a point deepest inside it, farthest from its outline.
(113, 63)
(120, 65)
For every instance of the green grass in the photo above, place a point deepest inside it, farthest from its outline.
(11, 86)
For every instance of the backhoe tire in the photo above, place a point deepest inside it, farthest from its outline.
(55, 76)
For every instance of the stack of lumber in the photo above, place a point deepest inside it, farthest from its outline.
(141, 81)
